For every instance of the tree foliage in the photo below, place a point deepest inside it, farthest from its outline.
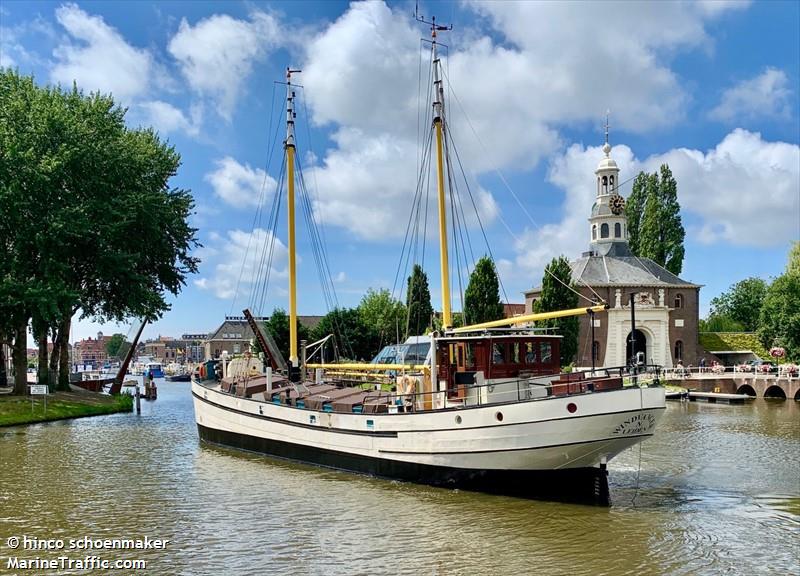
(353, 338)
(717, 323)
(88, 220)
(559, 293)
(383, 314)
(655, 228)
(482, 297)
(741, 303)
(278, 326)
(779, 321)
(114, 347)
(418, 301)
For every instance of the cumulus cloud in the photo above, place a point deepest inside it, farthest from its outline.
(238, 184)
(97, 57)
(167, 118)
(216, 55)
(764, 96)
(744, 191)
(543, 67)
(235, 264)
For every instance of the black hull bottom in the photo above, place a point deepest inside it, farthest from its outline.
(576, 485)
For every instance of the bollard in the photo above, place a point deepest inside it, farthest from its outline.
(138, 400)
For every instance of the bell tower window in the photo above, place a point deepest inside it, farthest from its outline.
(605, 184)
(604, 230)
(617, 229)
(594, 231)
(611, 182)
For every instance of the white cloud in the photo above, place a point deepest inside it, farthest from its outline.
(764, 96)
(167, 118)
(240, 185)
(546, 66)
(745, 191)
(236, 263)
(97, 57)
(217, 54)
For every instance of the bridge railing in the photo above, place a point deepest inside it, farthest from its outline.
(789, 371)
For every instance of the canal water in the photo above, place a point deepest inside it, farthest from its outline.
(717, 491)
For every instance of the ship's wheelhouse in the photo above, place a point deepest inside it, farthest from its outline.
(460, 359)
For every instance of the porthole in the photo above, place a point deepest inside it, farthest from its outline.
(571, 407)
(458, 419)
(499, 416)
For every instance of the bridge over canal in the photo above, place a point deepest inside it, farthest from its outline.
(760, 386)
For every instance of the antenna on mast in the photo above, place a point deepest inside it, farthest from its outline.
(432, 22)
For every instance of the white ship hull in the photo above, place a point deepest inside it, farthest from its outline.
(527, 445)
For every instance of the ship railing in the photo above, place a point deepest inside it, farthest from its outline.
(519, 389)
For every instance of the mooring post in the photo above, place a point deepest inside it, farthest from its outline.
(138, 400)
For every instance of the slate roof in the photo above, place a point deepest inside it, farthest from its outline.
(619, 267)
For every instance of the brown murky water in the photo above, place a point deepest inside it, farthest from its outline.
(716, 492)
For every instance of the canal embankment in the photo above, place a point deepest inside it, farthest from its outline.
(17, 410)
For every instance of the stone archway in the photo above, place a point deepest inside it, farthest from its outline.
(775, 392)
(746, 389)
(639, 344)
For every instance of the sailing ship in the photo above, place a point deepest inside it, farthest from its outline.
(486, 408)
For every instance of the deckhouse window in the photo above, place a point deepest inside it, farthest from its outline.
(530, 356)
(604, 230)
(515, 353)
(497, 353)
(546, 352)
(678, 300)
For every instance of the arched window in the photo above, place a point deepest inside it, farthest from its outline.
(605, 185)
(604, 230)
(617, 230)
(679, 350)
(594, 231)
(595, 351)
(611, 182)
(678, 300)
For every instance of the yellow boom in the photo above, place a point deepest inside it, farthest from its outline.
(375, 367)
(529, 318)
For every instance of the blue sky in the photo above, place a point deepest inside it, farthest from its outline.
(709, 87)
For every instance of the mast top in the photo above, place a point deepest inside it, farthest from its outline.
(432, 22)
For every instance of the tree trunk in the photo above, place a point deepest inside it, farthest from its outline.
(41, 373)
(54, 356)
(20, 357)
(3, 374)
(63, 359)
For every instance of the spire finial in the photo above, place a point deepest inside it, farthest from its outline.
(607, 146)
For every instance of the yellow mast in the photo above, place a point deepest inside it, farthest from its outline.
(438, 123)
(290, 152)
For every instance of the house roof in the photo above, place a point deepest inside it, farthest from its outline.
(239, 329)
(618, 266)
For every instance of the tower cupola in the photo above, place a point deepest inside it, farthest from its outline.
(607, 223)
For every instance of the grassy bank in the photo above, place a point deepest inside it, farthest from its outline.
(61, 405)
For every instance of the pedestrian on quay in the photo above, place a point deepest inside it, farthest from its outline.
(703, 364)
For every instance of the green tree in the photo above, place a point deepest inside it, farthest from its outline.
(793, 265)
(655, 228)
(383, 314)
(278, 326)
(418, 301)
(114, 345)
(354, 340)
(634, 208)
(88, 219)
(779, 322)
(741, 303)
(717, 323)
(559, 293)
(482, 297)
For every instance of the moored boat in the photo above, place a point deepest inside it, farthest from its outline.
(485, 408)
